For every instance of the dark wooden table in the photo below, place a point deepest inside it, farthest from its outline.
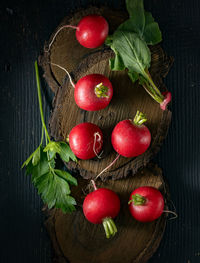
(25, 25)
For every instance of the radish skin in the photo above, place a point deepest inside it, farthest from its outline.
(86, 140)
(100, 207)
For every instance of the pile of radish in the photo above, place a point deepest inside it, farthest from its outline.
(129, 138)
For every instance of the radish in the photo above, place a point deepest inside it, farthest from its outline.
(146, 204)
(93, 92)
(91, 31)
(86, 140)
(131, 138)
(100, 207)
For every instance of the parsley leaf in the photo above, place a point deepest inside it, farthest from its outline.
(66, 153)
(52, 184)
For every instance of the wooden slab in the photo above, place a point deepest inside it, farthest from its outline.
(75, 240)
(127, 99)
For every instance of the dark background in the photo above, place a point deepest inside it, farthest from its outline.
(25, 25)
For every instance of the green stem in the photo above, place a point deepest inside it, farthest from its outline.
(140, 118)
(147, 82)
(109, 227)
(40, 99)
(42, 135)
(101, 91)
(137, 200)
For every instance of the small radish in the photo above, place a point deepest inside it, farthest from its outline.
(100, 207)
(86, 140)
(131, 138)
(91, 31)
(146, 204)
(93, 92)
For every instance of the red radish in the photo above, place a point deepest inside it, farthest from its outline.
(93, 92)
(91, 32)
(86, 140)
(131, 138)
(100, 207)
(166, 101)
(146, 204)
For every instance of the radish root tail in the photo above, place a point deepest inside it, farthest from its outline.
(61, 28)
(97, 140)
(105, 169)
(70, 78)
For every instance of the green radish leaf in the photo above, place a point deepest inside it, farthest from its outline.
(66, 153)
(116, 63)
(142, 23)
(133, 51)
(135, 9)
(152, 34)
(133, 76)
(66, 176)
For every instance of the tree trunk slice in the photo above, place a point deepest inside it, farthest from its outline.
(127, 99)
(66, 51)
(75, 240)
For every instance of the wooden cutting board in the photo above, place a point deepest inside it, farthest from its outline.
(74, 239)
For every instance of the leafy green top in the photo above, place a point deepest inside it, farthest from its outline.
(129, 42)
(52, 184)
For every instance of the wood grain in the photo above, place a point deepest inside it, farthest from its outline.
(127, 99)
(77, 240)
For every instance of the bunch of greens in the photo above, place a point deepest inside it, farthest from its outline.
(129, 42)
(52, 184)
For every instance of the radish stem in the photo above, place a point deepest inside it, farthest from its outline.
(137, 200)
(109, 227)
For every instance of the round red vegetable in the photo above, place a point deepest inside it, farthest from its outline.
(100, 206)
(93, 92)
(131, 138)
(146, 204)
(86, 140)
(92, 31)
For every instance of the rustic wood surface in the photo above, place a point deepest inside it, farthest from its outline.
(127, 99)
(75, 240)
(25, 25)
